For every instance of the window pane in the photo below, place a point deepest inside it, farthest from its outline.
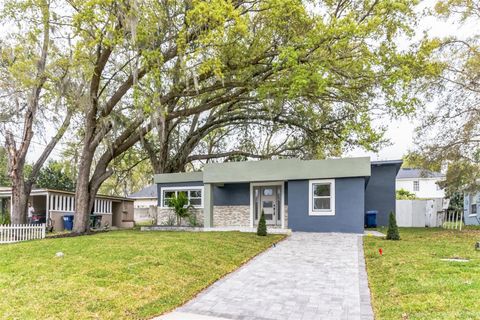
(267, 191)
(321, 190)
(321, 204)
(267, 204)
(183, 192)
(195, 194)
(195, 202)
(169, 194)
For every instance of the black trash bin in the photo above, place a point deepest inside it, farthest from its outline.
(95, 221)
(68, 222)
(371, 219)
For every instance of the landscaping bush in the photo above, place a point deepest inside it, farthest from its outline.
(262, 226)
(192, 220)
(5, 219)
(392, 233)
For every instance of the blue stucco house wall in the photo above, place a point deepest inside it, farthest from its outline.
(471, 205)
(380, 190)
(359, 186)
(349, 204)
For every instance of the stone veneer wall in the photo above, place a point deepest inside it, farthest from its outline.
(164, 215)
(231, 216)
(286, 216)
(223, 216)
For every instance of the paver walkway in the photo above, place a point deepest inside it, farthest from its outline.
(307, 276)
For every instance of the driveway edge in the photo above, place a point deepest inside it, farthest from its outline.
(366, 311)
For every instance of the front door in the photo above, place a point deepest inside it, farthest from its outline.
(267, 198)
(268, 203)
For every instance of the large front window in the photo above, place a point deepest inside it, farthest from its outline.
(321, 197)
(194, 195)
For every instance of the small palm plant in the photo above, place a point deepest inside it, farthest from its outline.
(180, 206)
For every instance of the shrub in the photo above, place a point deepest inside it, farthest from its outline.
(403, 194)
(262, 226)
(5, 219)
(392, 233)
(192, 220)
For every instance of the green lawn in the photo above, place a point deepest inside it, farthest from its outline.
(411, 282)
(117, 275)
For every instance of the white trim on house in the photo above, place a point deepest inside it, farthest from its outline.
(196, 188)
(321, 212)
(262, 184)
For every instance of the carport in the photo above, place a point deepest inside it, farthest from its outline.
(51, 205)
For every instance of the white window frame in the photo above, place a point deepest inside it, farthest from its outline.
(321, 212)
(187, 188)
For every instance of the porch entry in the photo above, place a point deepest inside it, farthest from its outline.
(268, 198)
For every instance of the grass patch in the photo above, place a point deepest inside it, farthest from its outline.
(117, 275)
(410, 281)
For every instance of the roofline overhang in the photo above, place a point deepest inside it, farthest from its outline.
(44, 192)
(178, 177)
(286, 169)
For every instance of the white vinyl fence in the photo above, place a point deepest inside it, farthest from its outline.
(10, 233)
(420, 213)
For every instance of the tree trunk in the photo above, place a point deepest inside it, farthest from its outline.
(82, 193)
(19, 201)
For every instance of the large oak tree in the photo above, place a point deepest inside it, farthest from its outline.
(195, 80)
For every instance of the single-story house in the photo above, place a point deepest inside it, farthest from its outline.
(54, 204)
(143, 202)
(471, 203)
(302, 195)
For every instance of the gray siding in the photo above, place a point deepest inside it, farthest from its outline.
(349, 207)
(380, 192)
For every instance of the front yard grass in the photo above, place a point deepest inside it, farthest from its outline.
(410, 281)
(117, 275)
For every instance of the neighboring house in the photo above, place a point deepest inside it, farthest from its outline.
(54, 204)
(314, 195)
(143, 200)
(471, 203)
(422, 183)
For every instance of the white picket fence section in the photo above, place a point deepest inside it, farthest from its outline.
(10, 233)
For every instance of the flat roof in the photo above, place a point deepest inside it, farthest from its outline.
(286, 169)
(178, 177)
(272, 170)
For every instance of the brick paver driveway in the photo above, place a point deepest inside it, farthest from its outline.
(307, 276)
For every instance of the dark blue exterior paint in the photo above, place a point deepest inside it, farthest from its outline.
(349, 207)
(380, 191)
(232, 194)
(353, 197)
